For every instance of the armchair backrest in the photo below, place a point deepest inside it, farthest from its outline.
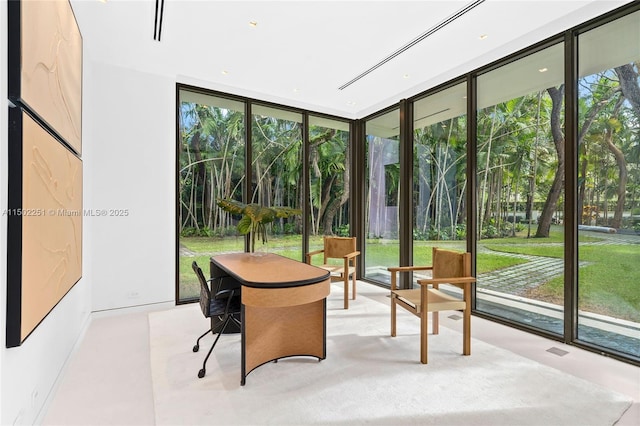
(205, 293)
(450, 264)
(338, 247)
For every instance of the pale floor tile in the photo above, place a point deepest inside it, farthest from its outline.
(108, 379)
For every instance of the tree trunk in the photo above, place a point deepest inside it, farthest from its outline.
(582, 182)
(629, 86)
(622, 180)
(201, 177)
(326, 202)
(335, 205)
(329, 215)
(551, 203)
(486, 169)
(622, 170)
(498, 185)
(590, 118)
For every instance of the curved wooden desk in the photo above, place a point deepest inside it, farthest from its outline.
(283, 307)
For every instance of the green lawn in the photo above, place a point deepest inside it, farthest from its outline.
(609, 283)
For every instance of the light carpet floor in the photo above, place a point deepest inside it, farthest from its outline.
(368, 377)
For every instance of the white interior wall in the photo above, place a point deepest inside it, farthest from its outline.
(128, 162)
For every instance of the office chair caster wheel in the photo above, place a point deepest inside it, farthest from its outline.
(196, 348)
(201, 373)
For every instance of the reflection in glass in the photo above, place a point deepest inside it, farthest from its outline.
(382, 184)
(609, 185)
(211, 166)
(439, 173)
(520, 190)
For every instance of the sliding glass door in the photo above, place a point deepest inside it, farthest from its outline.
(520, 191)
(211, 162)
(439, 173)
(609, 185)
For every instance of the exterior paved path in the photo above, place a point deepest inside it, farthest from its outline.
(519, 278)
(537, 270)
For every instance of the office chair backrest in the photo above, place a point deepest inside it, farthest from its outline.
(205, 293)
(448, 264)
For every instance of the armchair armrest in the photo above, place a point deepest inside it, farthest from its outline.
(458, 281)
(395, 269)
(350, 259)
(408, 268)
(352, 255)
(313, 253)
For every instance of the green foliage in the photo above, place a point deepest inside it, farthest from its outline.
(442, 234)
(196, 232)
(489, 231)
(461, 231)
(342, 231)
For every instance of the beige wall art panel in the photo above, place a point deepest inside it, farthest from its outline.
(51, 223)
(51, 66)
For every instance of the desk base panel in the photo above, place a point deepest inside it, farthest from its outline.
(272, 333)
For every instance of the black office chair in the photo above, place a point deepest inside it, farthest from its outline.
(220, 308)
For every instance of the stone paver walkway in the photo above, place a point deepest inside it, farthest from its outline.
(517, 279)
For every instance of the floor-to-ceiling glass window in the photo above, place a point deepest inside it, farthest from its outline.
(329, 180)
(439, 173)
(609, 185)
(382, 179)
(520, 178)
(276, 164)
(211, 166)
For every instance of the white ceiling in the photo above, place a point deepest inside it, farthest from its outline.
(301, 52)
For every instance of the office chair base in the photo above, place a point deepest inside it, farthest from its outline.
(203, 370)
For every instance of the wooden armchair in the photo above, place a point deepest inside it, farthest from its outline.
(343, 251)
(448, 267)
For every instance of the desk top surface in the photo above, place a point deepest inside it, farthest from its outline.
(269, 270)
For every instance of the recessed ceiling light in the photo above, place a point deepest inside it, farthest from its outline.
(483, 36)
(253, 24)
(295, 90)
(543, 69)
(351, 103)
(406, 76)
(224, 72)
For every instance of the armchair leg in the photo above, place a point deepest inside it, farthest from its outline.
(424, 332)
(466, 322)
(436, 323)
(393, 316)
(466, 332)
(346, 291)
(354, 285)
